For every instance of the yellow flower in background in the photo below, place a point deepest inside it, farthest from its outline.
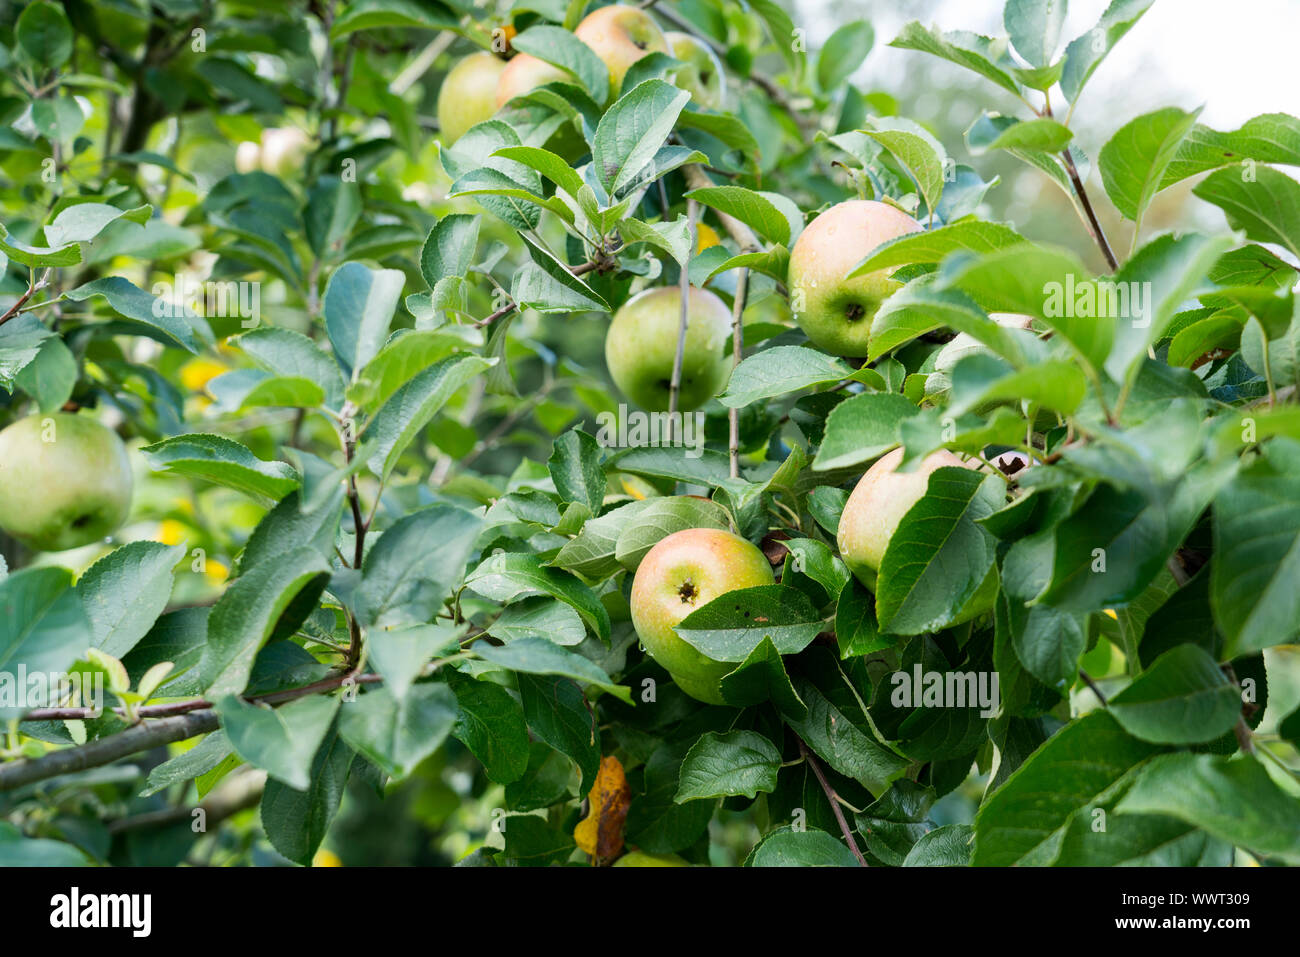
(326, 858)
(172, 532)
(705, 236)
(198, 372)
(215, 572)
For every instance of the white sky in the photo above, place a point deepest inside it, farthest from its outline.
(1239, 58)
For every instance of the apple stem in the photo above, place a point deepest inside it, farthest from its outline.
(834, 800)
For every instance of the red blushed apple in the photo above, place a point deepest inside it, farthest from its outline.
(683, 572)
(620, 35)
(525, 73)
(835, 312)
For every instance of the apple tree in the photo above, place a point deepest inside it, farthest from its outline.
(612, 433)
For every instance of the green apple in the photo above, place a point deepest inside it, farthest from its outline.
(65, 481)
(526, 72)
(702, 76)
(835, 312)
(681, 573)
(468, 94)
(878, 503)
(642, 345)
(645, 859)
(620, 35)
(283, 150)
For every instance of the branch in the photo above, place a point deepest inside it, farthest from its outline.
(142, 737)
(737, 352)
(235, 794)
(1094, 226)
(1088, 680)
(834, 801)
(675, 383)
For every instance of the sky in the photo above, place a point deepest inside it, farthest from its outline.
(1238, 58)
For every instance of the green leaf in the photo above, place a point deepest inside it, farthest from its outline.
(198, 760)
(1134, 160)
(932, 245)
(939, 560)
(333, 209)
(557, 712)
(38, 256)
(575, 467)
(809, 848)
(406, 354)
(561, 48)
(1232, 798)
(44, 34)
(253, 388)
(555, 168)
(537, 656)
(843, 53)
(508, 576)
(539, 617)
(673, 238)
(548, 285)
(861, 428)
(969, 50)
(1183, 698)
(660, 517)
(42, 626)
(50, 376)
(22, 339)
(1035, 27)
(246, 616)
(1257, 554)
(1084, 54)
(762, 677)
(290, 354)
(593, 552)
(779, 370)
(281, 741)
(731, 626)
(415, 565)
(751, 207)
(297, 820)
(632, 130)
(981, 379)
(449, 248)
(358, 307)
(222, 461)
(919, 153)
(1022, 822)
(145, 314)
(993, 131)
(82, 222)
(400, 14)
(921, 306)
(947, 846)
(491, 725)
(1268, 138)
(125, 592)
(1266, 206)
(843, 744)
(403, 417)
(18, 850)
(398, 733)
(719, 765)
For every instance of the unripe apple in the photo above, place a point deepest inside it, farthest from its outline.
(283, 150)
(835, 312)
(702, 76)
(620, 35)
(248, 156)
(468, 94)
(645, 859)
(523, 73)
(681, 573)
(65, 481)
(878, 503)
(642, 343)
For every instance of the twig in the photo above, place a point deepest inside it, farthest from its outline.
(1088, 680)
(503, 311)
(737, 351)
(834, 800)
(233, 795)
(1094, 226)
(675, 383)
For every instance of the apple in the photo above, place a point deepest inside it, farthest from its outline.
(878, 503)
(65, 481)
(683, 572)
(645, 859)
(523, 73)
(642, 344)
(248, 156)
(283, 150)
(468, 94)
(620, 35)
(835, 312)
(702, 76)
(963, 344)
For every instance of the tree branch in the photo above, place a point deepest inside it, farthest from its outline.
(1094, 226)
(834, 800)
(675, 383)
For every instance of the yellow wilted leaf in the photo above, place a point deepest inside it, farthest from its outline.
(600, 833)
(705, 236)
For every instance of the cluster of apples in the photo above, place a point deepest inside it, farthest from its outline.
(280, 151)
(480, 84)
